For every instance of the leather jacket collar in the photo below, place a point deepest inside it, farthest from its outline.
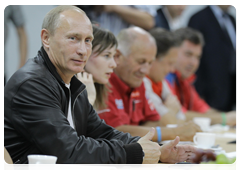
(76, 85)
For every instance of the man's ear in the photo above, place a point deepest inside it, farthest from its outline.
(45, 36)
(117, 56)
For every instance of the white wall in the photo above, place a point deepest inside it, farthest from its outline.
(34, 15)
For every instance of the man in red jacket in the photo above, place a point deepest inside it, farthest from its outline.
(181, 82)
(129, 109)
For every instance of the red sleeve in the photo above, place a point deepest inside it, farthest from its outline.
(184, 109)
(199, 105)
(112, 115)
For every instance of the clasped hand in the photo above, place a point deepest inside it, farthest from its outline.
(168, 153)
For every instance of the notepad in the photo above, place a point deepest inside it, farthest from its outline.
(82, 167)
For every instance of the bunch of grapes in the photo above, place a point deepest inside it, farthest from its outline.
(219, 162)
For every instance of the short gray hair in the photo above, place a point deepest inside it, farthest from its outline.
(124, 39)
(51, 20)
(129, 38)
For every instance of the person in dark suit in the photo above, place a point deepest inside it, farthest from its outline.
(216, 76)
(168, 16)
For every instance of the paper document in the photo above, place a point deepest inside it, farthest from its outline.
(82, 167)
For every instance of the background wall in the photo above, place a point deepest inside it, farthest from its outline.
(34, 15)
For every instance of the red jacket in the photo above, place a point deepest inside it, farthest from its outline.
(127, 106)
(187, 93)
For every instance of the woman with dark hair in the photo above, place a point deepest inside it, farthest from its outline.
(99, 67)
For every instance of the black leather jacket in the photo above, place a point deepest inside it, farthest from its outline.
(35, 120)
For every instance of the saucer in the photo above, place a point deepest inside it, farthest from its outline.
(214, 149)
(180, 142)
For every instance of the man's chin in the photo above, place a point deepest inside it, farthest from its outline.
(136, 84)
(186, 76)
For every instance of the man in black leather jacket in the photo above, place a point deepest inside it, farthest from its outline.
(37, 97)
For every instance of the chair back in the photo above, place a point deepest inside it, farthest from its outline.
(7, 157)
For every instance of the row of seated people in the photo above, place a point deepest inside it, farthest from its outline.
(117, 87)
(46, 109)
(216, 86)
(140, 95)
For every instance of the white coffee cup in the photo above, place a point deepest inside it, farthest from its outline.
(203, 122)
(41, 159)
(204, 140)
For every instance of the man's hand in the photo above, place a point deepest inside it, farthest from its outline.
(231, 118)
(171, 153)
(150, 149)
(187, 130)
(87, 79)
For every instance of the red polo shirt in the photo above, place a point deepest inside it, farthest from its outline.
(127, 106)
(186, 93)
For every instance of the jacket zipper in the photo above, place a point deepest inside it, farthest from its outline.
(17, 161)
(73, 108)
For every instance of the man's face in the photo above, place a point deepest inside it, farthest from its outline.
(188, 58)
(133, 68)
(71, 44)
(164, 65)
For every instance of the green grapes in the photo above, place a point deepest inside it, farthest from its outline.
(221, 163)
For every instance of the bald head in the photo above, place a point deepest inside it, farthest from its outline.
(52, 19)
(136, 51)
(132, 39)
